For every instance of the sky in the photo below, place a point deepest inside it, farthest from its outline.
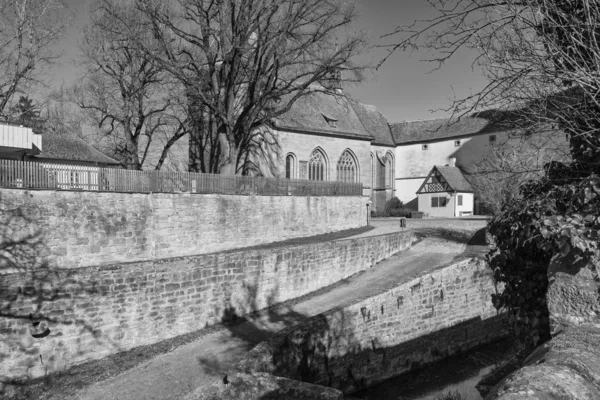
(404, 88)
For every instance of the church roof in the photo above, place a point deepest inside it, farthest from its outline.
(375, 123)
(410, 132)
(72, 149)
(324, 113)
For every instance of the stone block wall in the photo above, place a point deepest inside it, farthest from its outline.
(81, 229)
(428, 318)
(568, 366)
(449, 223)
(96, 311)
(264, 386)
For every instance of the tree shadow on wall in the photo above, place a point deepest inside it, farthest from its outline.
(309, 351)
(41, 332)
(301, 352)
(254, 319)
(322, 351)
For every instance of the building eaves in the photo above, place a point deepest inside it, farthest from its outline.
(427, 131)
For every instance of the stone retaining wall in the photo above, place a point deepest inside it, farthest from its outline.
(444, 312)
(568, 366)
(264, 386)
(450, 223)
(96, 311)
(82, 229)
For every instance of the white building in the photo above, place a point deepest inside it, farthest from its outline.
(446, 193)
(424, 144)
(18, 141)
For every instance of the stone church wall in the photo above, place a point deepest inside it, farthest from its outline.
(383, 181)
(302, 145)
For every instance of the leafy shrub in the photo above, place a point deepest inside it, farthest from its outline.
(558, 214)
(449, 395)
(393, 208)
(393, 204)
(401, 212)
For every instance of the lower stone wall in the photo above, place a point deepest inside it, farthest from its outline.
(444, 312)
(568, 366)
(450, 223)
(96, 311)
(264, 386)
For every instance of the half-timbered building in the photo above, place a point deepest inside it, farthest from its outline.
(445, 192)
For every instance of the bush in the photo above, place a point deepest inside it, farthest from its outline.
(449, 396)
(393, 203)
(401, 212)
(393, 208)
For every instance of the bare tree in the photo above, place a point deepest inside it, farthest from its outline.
(128, 96)
(27, 30)
(61, 116)
(511, 163)
(540, 58)
(245, 62)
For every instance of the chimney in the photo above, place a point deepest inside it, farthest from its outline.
(453, 161)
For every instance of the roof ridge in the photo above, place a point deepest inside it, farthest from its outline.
(372, 108)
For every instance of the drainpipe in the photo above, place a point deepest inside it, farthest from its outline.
(455, 195)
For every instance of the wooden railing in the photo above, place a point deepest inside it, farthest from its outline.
(32, 175)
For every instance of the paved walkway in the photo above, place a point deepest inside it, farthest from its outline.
(202, 362)
(425, 226)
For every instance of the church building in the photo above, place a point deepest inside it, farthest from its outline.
(330, 137)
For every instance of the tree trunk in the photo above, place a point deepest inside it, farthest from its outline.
(195, 148)
(132, 159)
(229, 152)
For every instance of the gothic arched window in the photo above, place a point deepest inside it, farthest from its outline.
(290, 166)
(317, 166)
(389, 171)
(346, 168)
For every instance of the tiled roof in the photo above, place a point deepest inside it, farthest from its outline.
(439, 129)
(311, 112)
(72, 149)
(455, 179)
(375, 123)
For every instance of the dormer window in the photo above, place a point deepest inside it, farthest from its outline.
(332, 122)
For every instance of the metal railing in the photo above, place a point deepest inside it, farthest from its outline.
(23, 174)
